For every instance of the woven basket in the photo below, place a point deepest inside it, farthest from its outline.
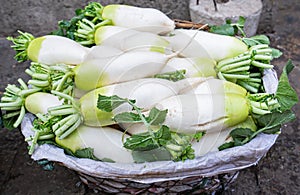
(190, 185)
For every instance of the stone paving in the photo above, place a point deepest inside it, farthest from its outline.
(277, 173)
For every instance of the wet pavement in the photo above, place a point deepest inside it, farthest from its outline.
(277, 173)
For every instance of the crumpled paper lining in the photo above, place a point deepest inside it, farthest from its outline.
(211, 164)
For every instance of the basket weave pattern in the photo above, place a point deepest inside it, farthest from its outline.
(190, 185)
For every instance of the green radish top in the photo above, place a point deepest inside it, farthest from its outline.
(110, 11)
(237, 109)
(34, 48)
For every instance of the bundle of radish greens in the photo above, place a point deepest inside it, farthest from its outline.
(122, 84)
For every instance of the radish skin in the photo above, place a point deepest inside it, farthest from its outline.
(142, 19)
(192, 113)
(210, 142)
(98, 139)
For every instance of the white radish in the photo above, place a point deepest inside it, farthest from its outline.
(128, 66)
(208, 112)
(142, 19)
(205, 44)
(128, 39)
(49, 49)
(105, 142)
(210, 142)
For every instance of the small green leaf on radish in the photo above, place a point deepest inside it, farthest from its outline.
(127, 117)
(156, 116)
(109, 103)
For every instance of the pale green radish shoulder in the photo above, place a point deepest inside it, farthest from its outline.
(48, 49)
(112, 34)
(105, 142)
(142, 19)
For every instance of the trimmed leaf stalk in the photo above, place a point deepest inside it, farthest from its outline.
(240, 69)
(57, 77)
(42, 130)
(13, 101)
(180, 147)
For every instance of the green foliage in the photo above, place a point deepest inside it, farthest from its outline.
(256, 40)
(145, 141)
(286, 95)
(91, 12)
(85, 153)
(8, 123)
(230, 29)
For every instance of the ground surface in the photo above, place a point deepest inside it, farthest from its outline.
(277, 173)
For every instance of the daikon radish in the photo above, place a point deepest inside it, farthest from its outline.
(97, 139)
(48, 49)
(142, 19)
(205, 44)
